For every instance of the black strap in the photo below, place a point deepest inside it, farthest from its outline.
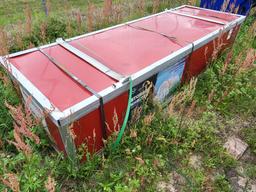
(189, 60)
(171, 38)
(84, 85)
(103, 119)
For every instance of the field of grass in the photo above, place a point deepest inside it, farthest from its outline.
(14, 11)
(180, 147)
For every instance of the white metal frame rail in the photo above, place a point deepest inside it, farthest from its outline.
(92, 61)
(197, 17)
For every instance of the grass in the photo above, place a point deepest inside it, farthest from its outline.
(155, 148)
(12, 12)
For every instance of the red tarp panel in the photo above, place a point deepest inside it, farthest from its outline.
(60, 89)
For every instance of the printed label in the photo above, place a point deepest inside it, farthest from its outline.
(142, 91)
(161, 85)
(167, 81)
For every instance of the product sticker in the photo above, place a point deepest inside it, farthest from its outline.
(142, 91)
(161, 86)
(167, 81)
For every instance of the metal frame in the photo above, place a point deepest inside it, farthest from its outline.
(62, 119)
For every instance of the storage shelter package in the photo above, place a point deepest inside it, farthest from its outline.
(86, 81)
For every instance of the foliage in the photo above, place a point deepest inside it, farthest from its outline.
(221, 184)
(249, 135)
